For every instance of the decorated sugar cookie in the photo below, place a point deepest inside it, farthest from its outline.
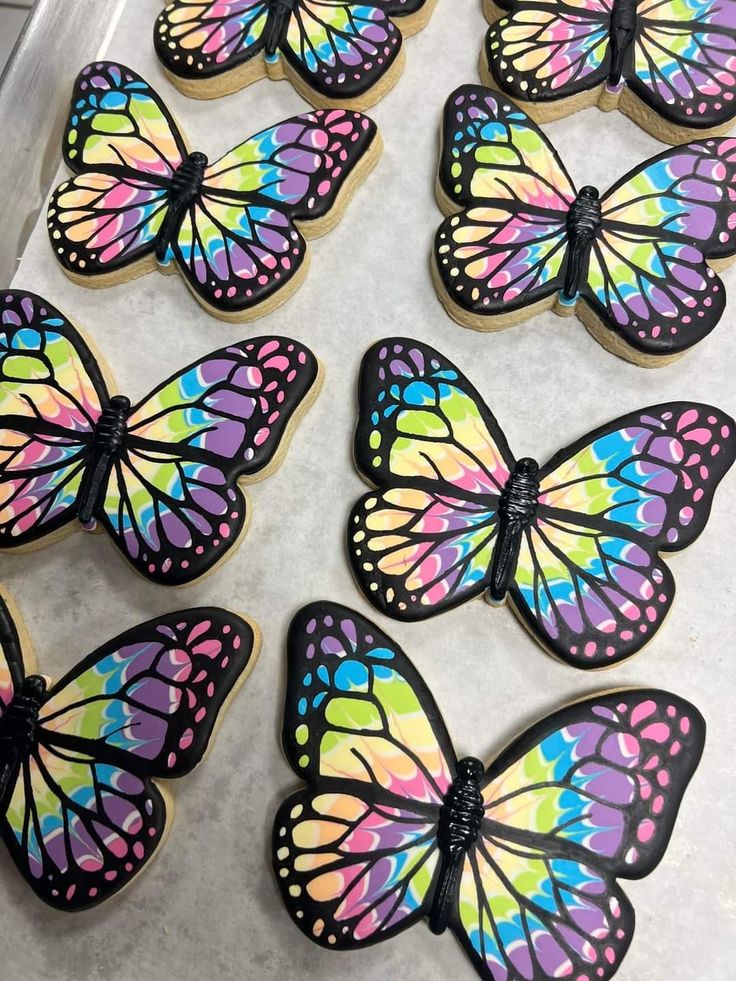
(519, 859)
(574, 545)
(80, 811)
(636, 264)
(234, 229)
(334, 52)
(668, 64)
(160, 477)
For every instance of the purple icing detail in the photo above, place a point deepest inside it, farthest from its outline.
(209, 501)
(331, 645)
(175, 530)
(348, 628)
(584, 737)
(140, 657)
(119, 811)
(155, 694)
(621, 750)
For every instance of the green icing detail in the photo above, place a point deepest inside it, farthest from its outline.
(353, 713)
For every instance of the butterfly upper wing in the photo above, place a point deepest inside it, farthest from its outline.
(648, 279)
(203, 38)
(148, 700)
(588, 794)
(355, 852)
(51, 393)
(589, 583)
(542, 51)
(172, 504)
(341, 48)
(424, 540)
(684, 61)
(123, 146)
(85, 817)
(238, 243)
(507, 249)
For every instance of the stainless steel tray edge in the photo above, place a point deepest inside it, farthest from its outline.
(60, 36)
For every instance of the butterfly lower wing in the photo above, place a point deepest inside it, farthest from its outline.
(51, 393)
(417, 551)
(340, 49)
(236, 255)
(355, 853)
(648, 280)
(352, 871)
(100, 223)
(148, 701)
(545, 51)
(522, 914)
(199, 40)
(117, 123)
(588, 794)
(491, 260)
(79, 830)
(591, 597)
(685, 60)
(172, 505)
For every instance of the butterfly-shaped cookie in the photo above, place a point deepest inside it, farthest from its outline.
(668, 64)
(80, 812)
(573, 544)
(631, 263)
(344, 53)
(519, 859)
(160, 477)
(235, 228)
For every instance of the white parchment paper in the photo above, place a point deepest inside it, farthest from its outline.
(208, 906)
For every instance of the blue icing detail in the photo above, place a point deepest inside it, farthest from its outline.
(419, 393)
(319, 699)
(113, 100)
(567, 301)
(352, 676)
(494, 132)
(302, 706)
(27, 339)
(381, 653)
(323, 674)
(307, 680)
